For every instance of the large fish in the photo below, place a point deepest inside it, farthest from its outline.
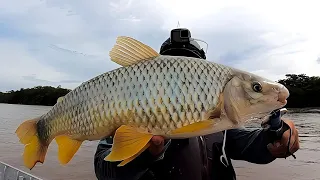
(151, 94)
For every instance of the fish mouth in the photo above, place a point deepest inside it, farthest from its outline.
(282, 101)
(283, 95)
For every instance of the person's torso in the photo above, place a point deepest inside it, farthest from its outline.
(192, 159)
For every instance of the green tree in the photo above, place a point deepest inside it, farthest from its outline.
(304, 90)
(39, 95)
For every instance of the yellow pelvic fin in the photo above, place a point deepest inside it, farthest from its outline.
(129, 51)
(67, 148)
(126, 161)
(34, 151)
(127, 143)
(194, 127)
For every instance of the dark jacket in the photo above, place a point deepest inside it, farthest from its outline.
(195, 158)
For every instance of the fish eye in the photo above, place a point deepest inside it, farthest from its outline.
(256, 86)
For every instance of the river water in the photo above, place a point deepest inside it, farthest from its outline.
(305, 167)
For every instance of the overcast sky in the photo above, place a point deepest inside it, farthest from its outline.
(64, 42)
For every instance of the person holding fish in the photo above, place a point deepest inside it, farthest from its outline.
(198, 158)
(172, 115)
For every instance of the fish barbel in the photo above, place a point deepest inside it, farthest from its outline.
(151, 94)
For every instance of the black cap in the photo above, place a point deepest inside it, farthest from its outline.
(188, 48)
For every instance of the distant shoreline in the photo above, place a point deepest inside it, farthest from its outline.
(304, 94)
(39, 95)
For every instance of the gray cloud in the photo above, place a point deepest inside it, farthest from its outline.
(37, 80)
(67, 42)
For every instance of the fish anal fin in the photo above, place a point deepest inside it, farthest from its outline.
(129, 51)
(127, 142)
(67, 148)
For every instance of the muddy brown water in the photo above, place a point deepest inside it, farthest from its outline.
(305, 167)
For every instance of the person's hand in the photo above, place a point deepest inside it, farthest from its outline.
(279, 148)
(157, 145)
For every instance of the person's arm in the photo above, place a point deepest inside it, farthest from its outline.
(257, 146)
(134, 170)
(251, 146)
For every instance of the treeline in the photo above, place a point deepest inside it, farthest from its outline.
(39, 95)
(304, 92)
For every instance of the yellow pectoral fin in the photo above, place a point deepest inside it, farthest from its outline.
(67, 148)
(205, 126)
(127, 143)
(194, 127)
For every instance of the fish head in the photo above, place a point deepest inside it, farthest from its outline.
(248, 96)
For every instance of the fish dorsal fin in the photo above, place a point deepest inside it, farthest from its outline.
(60, 99)
(128, 51)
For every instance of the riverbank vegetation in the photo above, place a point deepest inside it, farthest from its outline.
(304, 92)
(39, 95)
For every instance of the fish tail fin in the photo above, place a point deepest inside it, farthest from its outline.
(34, 151)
